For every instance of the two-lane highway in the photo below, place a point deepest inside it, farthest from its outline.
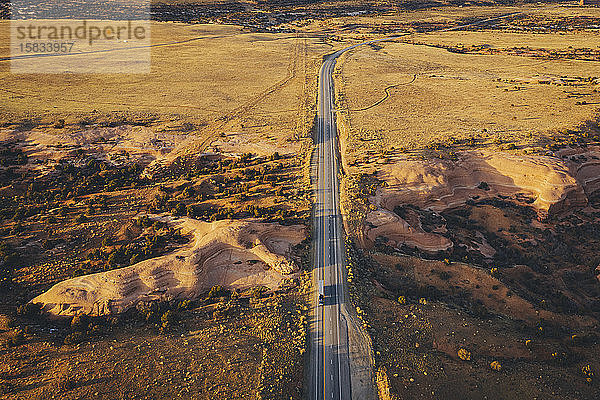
(331, 367)
(330, 363)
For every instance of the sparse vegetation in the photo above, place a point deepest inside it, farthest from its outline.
(464, 354)
(513, 299)
(74, 202)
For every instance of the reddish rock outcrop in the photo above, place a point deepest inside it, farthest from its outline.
(548, 184)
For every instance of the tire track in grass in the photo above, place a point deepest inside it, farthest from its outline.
(387, 95)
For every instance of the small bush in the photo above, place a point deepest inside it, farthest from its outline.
(64, 383)
(167, 321)
(464, 354)
(6, 322)
(16, 337)
(74, 338)
(188, 192)
(80, 322)
(184, 305)
(259, 291)
(29, 310)
(483, 186)
(495, 365)
(60, 124)
(218, 291)
(587, 372)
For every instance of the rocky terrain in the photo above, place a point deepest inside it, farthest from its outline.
(471, 198)
(234, 254)
(547, 184)
(490, 269)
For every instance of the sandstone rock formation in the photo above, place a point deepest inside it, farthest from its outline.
(398, 231)
(442, 184)
(235, 254)
(584, 164)
(549, 184)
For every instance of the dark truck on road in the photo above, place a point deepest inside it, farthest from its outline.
(321, 293)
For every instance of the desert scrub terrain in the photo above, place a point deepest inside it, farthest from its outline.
(428, 88)
(77, 169)
(449, 330)
(218, 133)
(89, 216)
(231, 345)
(87, 210)
(472, 205)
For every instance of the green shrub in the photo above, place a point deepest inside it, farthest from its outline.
(218, 291)
(258, 291)
(6, 388)
(167, 321)
(64, 383)
(74, 338)
(29, 309)
(179, 209)
(483, 186)
(588, 372)
(16, 337)
(188, 192)
(184, 305)
(6, 322)
(464, 354)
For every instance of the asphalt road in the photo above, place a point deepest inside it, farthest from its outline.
(330, 362)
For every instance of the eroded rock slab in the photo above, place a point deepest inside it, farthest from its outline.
(236, 254)
(442, 184)
(548, 184)
(386, 223)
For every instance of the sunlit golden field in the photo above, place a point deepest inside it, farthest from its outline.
(413, 91)
(219, 79)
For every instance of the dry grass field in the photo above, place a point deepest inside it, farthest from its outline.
(205, 81)
(426, 88)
